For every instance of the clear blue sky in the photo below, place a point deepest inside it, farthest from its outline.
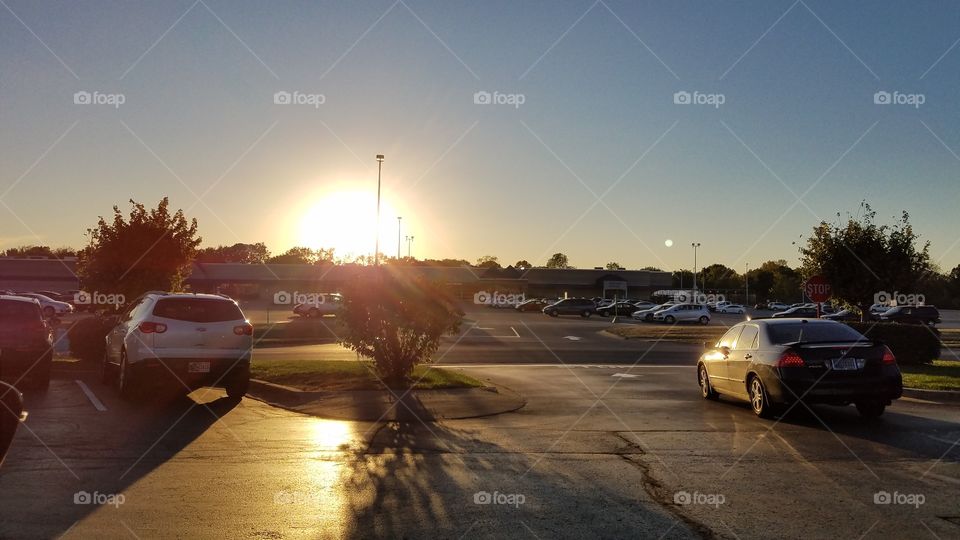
(598, 83)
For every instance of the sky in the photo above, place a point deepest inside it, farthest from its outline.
(605, 130)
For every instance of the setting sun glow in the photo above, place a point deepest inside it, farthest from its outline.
(346, 221)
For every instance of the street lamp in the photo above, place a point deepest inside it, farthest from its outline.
(376, 249)
(695, 245)
(398, 237)
(409, 241)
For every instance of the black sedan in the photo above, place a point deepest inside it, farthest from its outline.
(620, 308)
(776, 363)
(535, 304)
(799, 312)
(847, 315)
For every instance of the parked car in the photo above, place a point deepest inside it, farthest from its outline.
(620, 308)
(572, 306)
(647, 314)
(202, 339)
(928, 315)
(534, 304)
(733, 308)
(777, 306)
(644, 304)
(844, 315)
(717, 306)
(49, 306)
(319, 305)
(879, 309)
(11, 414)
(799, 312)
(774, 363)
(683, 313)
(26, 343)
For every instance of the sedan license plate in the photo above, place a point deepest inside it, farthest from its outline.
(198, 367)
(847, 364)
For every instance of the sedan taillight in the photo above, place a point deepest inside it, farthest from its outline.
(790, 358)
(148, 327)
(243, 330)
(888, 357)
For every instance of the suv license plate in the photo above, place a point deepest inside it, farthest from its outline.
(198, 367)
(847, 364)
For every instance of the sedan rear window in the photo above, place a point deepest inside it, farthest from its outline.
(14, 311)
(789, 333)
(200, 310)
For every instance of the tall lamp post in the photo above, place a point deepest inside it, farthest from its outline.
(695, 245)
(746, 282)
(409, 241)
(398, 237)
(376, 250)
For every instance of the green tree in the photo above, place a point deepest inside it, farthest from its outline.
(613, 266)
(152, 250)
(237, 253)
(522, 264)
(558, 260)
(861, 258)
(295, 255)
(396, 320)
(488, 261)
(718, 276)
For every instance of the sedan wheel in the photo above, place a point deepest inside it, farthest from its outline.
(870, 409)
(585, 314)
(49, 312)
(758, 399)
(704, 319)
(706, 390)
(669, 319)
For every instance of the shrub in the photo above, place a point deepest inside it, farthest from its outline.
(87, 338)
(396, 320)
(910, 343)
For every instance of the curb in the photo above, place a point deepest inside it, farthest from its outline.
(609, 334)
(942, 396)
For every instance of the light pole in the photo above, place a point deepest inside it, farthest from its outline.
(376, 249)
(746, 282)
(695, 245)
(409, 241)
(398, 237)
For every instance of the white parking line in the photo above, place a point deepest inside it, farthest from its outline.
(97, 404)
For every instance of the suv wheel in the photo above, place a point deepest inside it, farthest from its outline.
(126, 381)
(585, 314)
(552, 313)
(669, 319)
(238, 382)
(704, 319)
(870, 409)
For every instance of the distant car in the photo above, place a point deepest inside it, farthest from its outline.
(877, 309)
(620, 308)
(535, 304)
(319, 305)
(733, 308)
(202, 339)
(49, 306)
(644, 304)
(26, 343)
(11, 414)
(583, 307)
(800, 312)
(777, 306)
(928, 315)
(683, 313)
(717, 306)
(774, 363)
(844, 315)
(647, 314)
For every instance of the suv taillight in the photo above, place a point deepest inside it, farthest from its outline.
(148, 327)
(243, 330)
(888, 357)
(790, 358)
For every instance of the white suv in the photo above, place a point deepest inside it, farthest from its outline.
(683, 313)
(200, 339)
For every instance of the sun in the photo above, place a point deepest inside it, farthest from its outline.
(346, 222)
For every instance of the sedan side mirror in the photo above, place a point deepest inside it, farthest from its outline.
(724, 350)
(11, 414)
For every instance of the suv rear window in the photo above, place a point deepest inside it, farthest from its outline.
(788, 333)
(14, 311)
(202, 310)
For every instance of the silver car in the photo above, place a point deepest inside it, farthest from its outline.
(683, 313)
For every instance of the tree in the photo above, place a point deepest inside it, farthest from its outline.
(295, 255)
(397, 320)
(613, 266)
(488, 261)
(522, 264)
(558, 260)
(152, 250)
(41, 251)
(237, 253)
(861, 258)
(651, 269)
(718, 276)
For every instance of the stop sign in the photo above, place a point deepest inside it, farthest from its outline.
(817, 289)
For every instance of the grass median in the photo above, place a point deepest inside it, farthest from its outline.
(940, 375)
(337, 375)
(683, 333)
